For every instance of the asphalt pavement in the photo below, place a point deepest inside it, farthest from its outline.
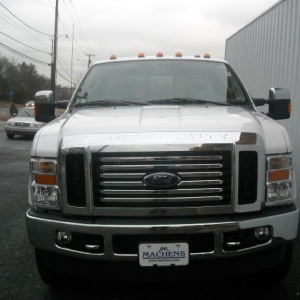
(19, 277)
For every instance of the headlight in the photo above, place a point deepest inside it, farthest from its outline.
(44, 188)
(10, 124)
(37, 125)
(279, 181)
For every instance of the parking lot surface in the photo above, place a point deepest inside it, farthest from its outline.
(19, 277)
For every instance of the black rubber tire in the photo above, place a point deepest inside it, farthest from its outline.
(10, 135)
(50, 277)
(279, 272)
(283, 269)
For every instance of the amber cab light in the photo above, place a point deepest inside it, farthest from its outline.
(159, 54)
(113, 56)
(141, 55)
(206, 55)
(178, 54)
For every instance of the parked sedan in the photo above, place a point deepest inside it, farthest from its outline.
(23, 123)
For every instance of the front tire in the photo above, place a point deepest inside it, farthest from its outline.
(10, 135)
(50, 277)
(279, 272)
(283, 269)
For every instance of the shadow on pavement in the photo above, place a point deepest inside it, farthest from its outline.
(173, 290)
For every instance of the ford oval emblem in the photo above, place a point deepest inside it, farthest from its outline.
(161, 179)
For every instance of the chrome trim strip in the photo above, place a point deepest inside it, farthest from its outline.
(200, 174)
(162, 199)
(170, 166)
(140, 175)
(141, 184)
(163, 192)
(122, 175)
(159, 158)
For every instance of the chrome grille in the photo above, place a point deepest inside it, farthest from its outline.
(22, 124)
(118, 179)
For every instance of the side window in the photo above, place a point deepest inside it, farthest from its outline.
(234, 91)
(51, 98)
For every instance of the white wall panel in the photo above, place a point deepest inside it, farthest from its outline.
(266, 53)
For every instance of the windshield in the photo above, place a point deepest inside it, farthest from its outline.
(164, 81)
(26, 112)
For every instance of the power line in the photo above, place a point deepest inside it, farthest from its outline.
(24, 31)
(76, 26)
(63, 67)
(41, 3)
(81, 27)
(23, 55)
(68, 32)
(62, 76)
(23, 43)
(24, 22)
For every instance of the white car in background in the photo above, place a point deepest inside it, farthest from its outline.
(23, 124)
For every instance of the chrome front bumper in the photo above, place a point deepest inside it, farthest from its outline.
(21, 130)
(42, 230)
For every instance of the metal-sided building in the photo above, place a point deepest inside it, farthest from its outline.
(266, 53)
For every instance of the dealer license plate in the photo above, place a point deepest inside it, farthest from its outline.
(164, 254)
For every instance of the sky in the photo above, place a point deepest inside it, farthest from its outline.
(124, 28)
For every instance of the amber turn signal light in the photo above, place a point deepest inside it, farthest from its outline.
(279, 175)
(45, 179)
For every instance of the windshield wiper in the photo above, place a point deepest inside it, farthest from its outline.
(185, 100)
(108, 102)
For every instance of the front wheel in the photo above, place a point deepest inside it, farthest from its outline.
(10, 135)
(283, 269)
(50, 277)
(279, 272)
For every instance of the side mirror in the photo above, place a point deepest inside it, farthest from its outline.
(63, 104)
(14, 114)
(279, 104)
(44, 109)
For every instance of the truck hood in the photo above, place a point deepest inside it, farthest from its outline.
(165, 119)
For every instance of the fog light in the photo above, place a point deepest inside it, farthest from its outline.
(263, 234)
(63, 238)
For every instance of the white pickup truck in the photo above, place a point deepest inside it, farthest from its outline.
(162, 166)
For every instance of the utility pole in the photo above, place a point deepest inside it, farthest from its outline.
(89, 61)
(53, 63)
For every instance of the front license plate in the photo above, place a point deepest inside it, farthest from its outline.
(164, 254)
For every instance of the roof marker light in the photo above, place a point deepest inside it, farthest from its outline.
(197, 56)
(113, 56)
(141, 55)
(159, 54)
(178, 54)
(206, 55)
